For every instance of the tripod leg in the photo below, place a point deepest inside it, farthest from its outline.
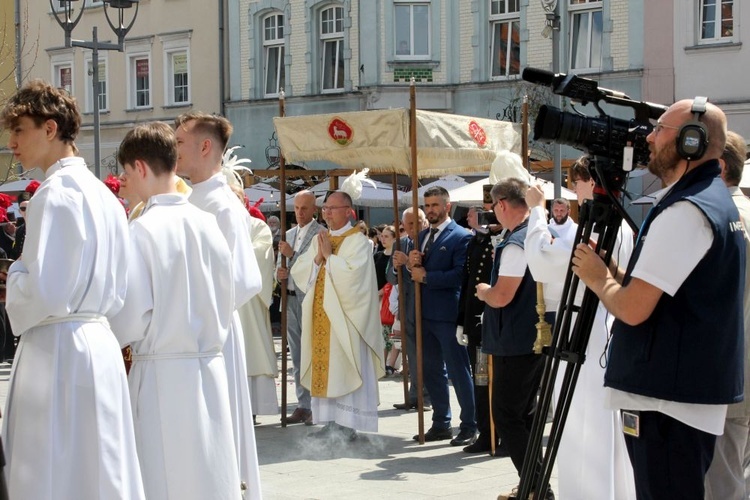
(567, 345)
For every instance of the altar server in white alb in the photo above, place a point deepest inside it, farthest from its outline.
(67, 426)
(201, 139)
(176, 318)
(262, 367)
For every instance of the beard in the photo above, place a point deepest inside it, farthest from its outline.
(560, 220)
(664, 160)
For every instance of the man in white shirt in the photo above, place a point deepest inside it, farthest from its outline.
(561, 224)
(176, 319)
(201, 140)
(726, 477)
(675, 359)
(67, 426)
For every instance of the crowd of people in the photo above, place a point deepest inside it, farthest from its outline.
(185, 277)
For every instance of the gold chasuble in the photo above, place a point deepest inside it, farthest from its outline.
(340, 312)
(321, 332)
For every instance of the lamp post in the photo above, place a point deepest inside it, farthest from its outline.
(65, 17)
(552, 28)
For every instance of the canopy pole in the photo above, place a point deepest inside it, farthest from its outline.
(284, 296)
(400, 275)
(525, 133)
(415, 239)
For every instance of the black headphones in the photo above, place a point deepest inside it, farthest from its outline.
(692, 138)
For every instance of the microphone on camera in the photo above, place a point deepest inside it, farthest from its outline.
(572, 86)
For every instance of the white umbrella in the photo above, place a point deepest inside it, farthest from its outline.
(379, 196)
(472, 194)
(745, 181)
(15, 186)
(270, 196)
(449, 182)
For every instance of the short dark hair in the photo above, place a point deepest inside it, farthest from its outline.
(735, 152)
(513, 190)
(438, 191)
(217, 126)
(40, 101)
(153, 143)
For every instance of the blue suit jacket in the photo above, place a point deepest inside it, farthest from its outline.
(444, 263)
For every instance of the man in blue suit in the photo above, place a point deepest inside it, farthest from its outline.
(438, 264)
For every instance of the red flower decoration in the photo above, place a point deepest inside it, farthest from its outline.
(3, 215)
(113, 183)
(5, 200)
(32, 187)
(254, 210)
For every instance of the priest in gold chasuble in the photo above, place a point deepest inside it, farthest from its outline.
(342, 343)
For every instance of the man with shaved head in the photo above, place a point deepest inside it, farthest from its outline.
(675, 359)
(297, 241)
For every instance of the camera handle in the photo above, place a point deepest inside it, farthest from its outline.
(604, 214)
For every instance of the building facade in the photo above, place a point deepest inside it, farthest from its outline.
(466, 57)
(170, 64)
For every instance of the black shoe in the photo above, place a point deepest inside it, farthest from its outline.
(501, 451)
(465, 438)
(479, 446)
(411, 406)
(436, 435)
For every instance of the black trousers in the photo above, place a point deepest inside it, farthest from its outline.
(481, 397)
(515, 383)
(670, 458)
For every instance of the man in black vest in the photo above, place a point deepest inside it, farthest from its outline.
(676, 353)
(509, 326)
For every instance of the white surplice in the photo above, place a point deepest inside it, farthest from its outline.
(592, 461)
(176, 319)
(215, 197)
(255, 317)
(67, 426)
(350, 300)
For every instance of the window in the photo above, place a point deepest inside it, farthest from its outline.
(585, 34)
(412, 21)
(716, 20)
(332, 48)
(273, 57)
(178, 85)
(505, 51)
(62, 75)
(103, 97)
(139, 81)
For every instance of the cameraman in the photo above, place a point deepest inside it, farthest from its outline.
(676, 353)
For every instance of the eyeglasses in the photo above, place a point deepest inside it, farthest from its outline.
(328, 209)
(661, 126)
(492, 207)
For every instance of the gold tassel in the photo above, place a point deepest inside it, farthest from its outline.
(543, 329)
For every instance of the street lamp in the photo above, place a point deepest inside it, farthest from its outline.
(65, 17)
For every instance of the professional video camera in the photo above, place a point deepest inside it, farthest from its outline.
(621, 141)
(486, 217)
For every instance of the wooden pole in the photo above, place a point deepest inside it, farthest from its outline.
(284, 297)
(415, 239)
(401, 308)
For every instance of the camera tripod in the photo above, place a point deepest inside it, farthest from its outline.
(605, 214)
